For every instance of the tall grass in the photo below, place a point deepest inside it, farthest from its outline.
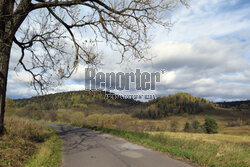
(22, 141)
(48, 155)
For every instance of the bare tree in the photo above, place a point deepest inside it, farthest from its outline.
(47, 30)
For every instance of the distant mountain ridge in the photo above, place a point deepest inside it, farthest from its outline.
(234, 103)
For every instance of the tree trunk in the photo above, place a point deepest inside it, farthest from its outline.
(6, 39)
(9, 23)
(5, 48)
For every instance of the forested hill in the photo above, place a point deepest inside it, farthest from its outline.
(91, 102)
(76, 100)
(175, 104)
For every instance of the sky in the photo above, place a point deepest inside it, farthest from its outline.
(206, 54)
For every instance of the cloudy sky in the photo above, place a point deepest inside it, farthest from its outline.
(206, 54)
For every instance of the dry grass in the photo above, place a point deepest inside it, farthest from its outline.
(214, 138)
(21, 141)
(238, 130)
(219, 149)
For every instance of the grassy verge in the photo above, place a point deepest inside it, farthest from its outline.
(223, 151)
(28, 144)
(49, 153)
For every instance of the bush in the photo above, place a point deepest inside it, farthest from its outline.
(174, 125)
(24, 129)
(187, 127)
(211, 125)
(196, 125)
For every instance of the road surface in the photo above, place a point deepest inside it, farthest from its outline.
(86, 148)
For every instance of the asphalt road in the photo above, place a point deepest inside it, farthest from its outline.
(86, 148)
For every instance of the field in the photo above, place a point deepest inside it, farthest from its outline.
(215, 150)
(219, 149)
(29, 144)
(230, 147)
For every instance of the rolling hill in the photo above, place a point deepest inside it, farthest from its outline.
(92, 102)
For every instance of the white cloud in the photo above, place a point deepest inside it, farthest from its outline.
(214, 56)
(208, 68)
(68, 87)
(207, 18)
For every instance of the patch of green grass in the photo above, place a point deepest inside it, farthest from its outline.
(49, 153)
(202, 152)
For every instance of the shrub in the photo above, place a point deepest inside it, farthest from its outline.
(64, 116)
(174, 125)
(196, 125)
(210, 125)
(77, 118)
(187, 127)
(52, 115)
